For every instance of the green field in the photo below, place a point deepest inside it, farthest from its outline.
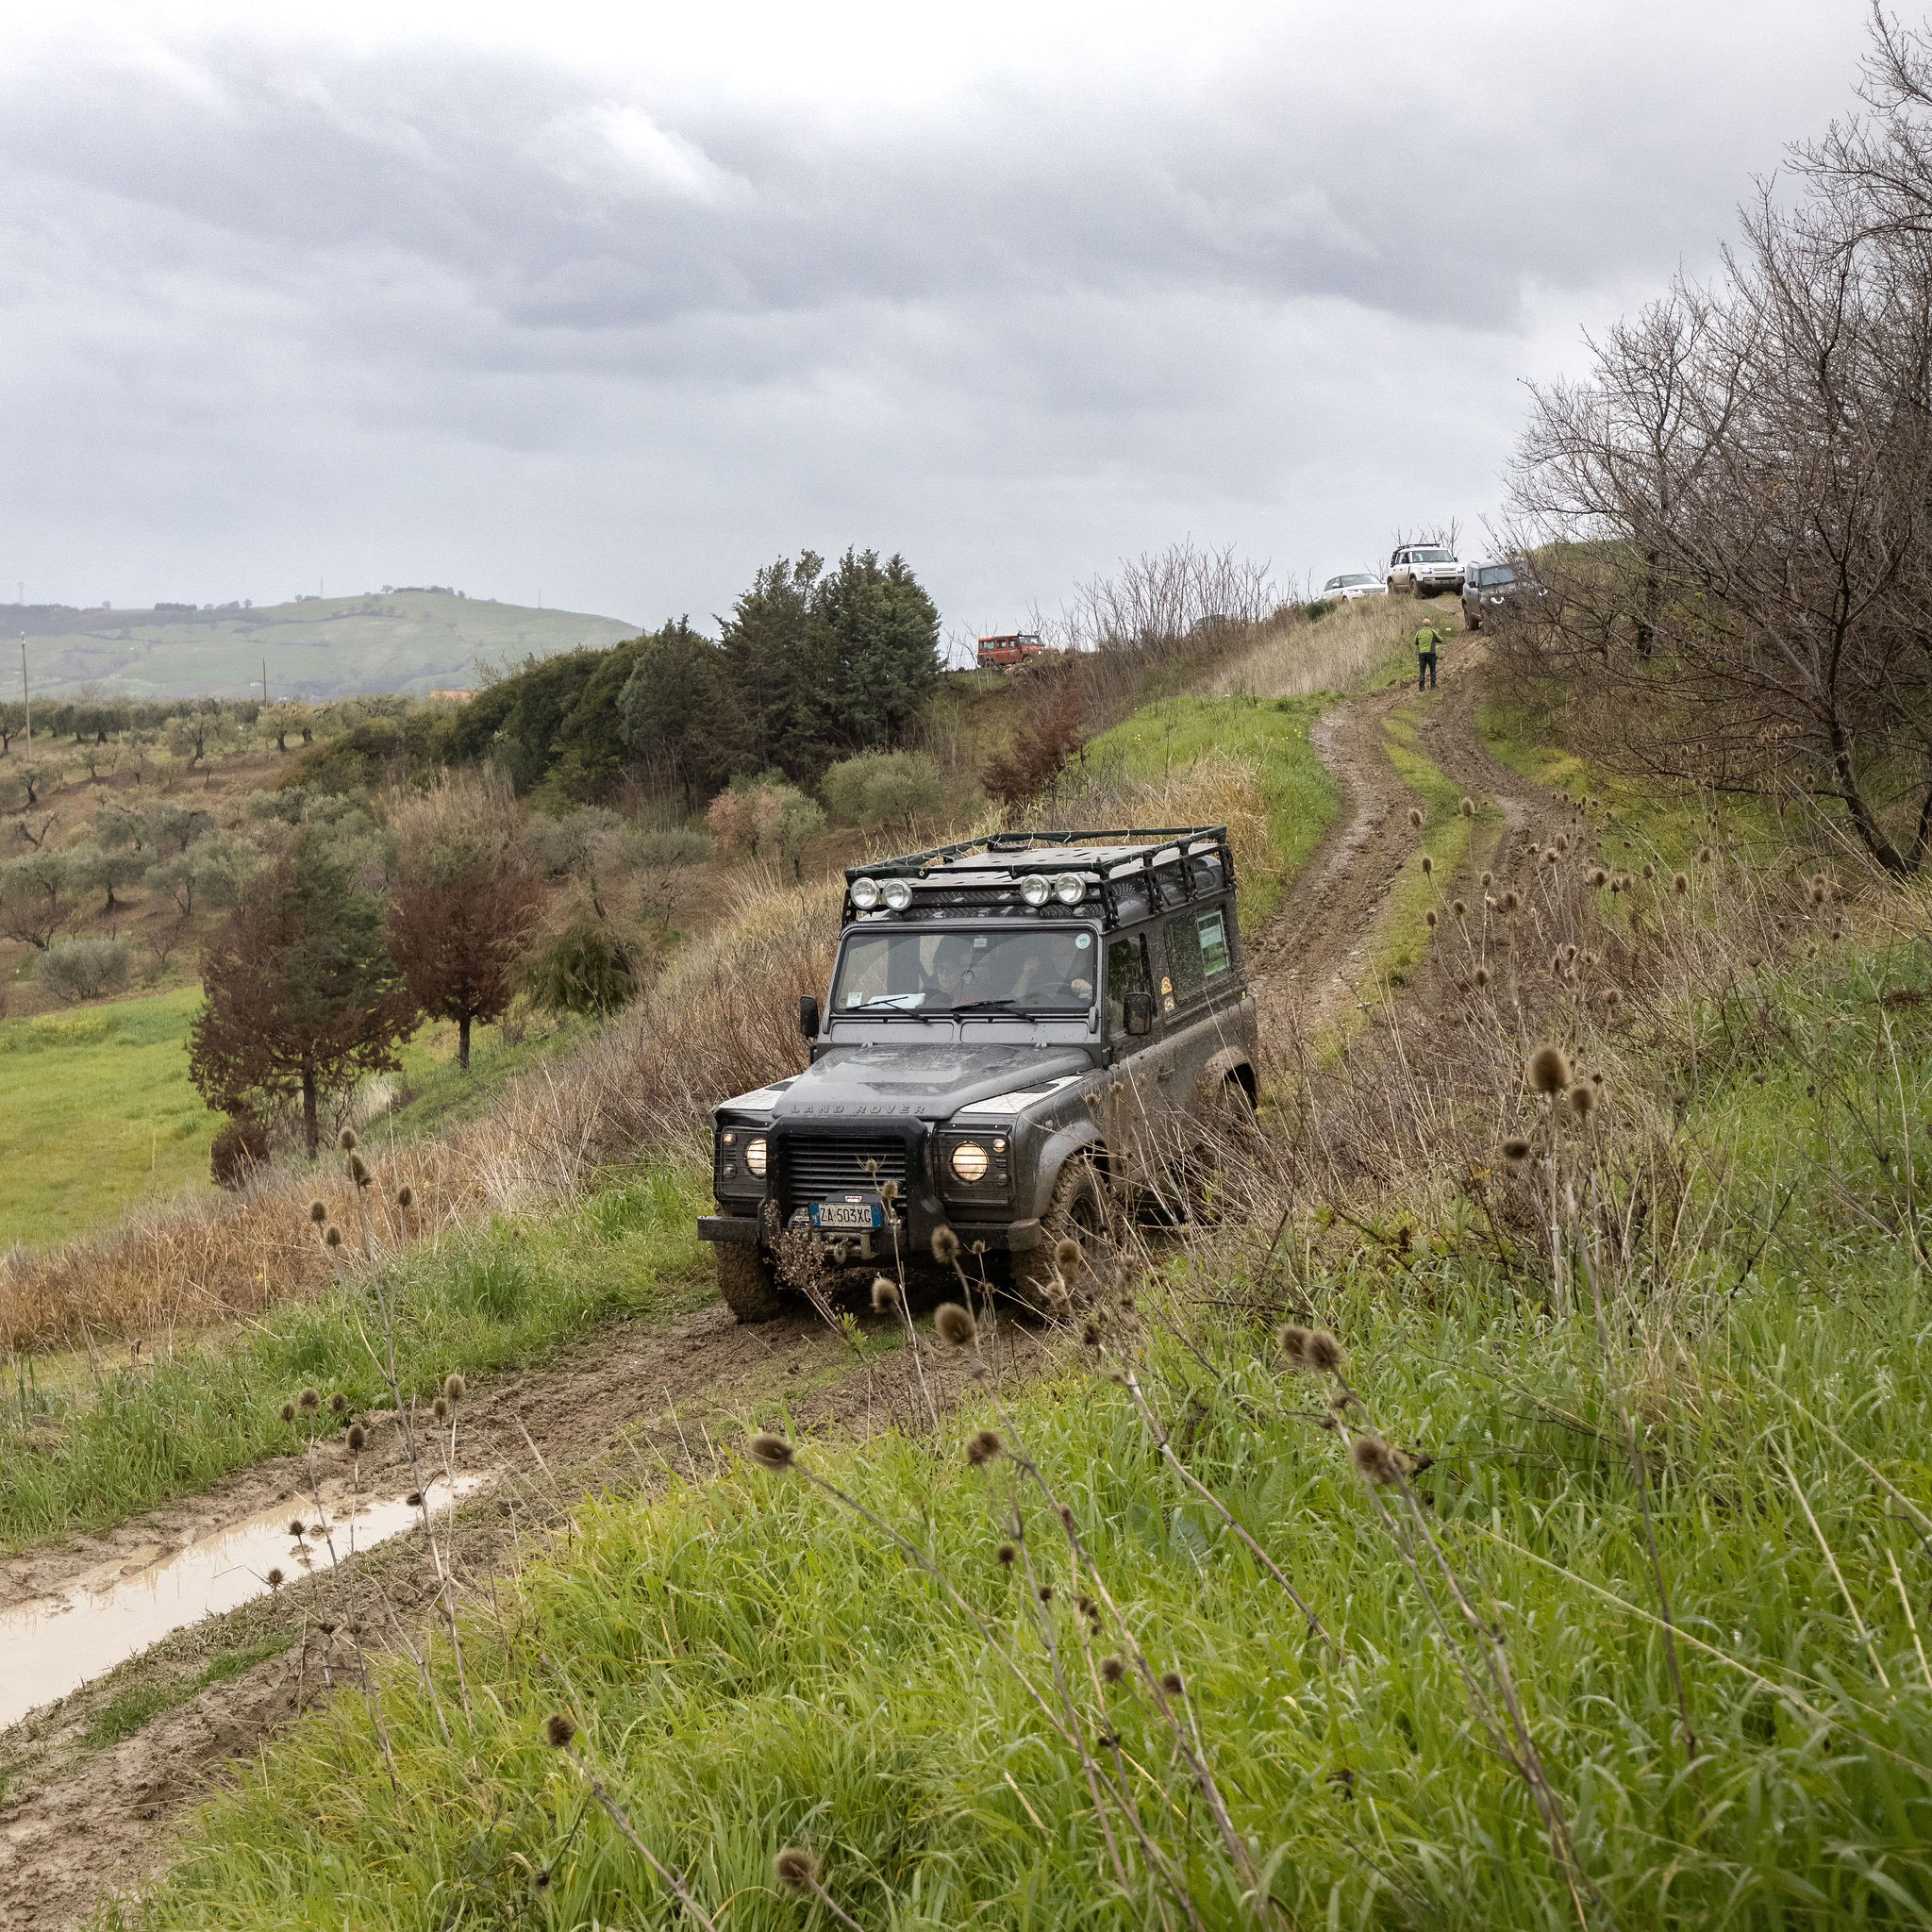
(96, 1109)
(323, 647)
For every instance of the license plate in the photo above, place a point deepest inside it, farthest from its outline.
(845, 1214)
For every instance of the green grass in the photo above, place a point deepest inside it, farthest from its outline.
(133, 1709)
(753, 1665)
(96, 1111)
(1164, 738)
(510, 1292)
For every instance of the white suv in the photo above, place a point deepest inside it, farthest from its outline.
(1424, 570)
(1354, 584)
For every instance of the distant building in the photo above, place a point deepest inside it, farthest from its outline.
(1002, 653)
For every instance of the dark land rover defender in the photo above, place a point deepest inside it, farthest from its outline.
(1021, 1030)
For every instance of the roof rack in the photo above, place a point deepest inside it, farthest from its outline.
(1122, 860)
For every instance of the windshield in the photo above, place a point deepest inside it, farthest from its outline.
(1343, 583)
(1042, 969)
(1502, 574)
(1432, 556)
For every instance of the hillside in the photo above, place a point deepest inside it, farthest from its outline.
(319, 647)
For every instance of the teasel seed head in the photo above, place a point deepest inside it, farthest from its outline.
(440, 1410)
(1552, 857)
(358, 1170)
(1598, 877)
(1066, 1255)
(275, 1579)
(1112, 1669)
(1375, 1461)
(1562, 841)
(1293, 1340)
(1003, 1556)
(1512, 900)
(1705, 855)
(957, 1328)
(332, 1236)
(1044, 1592)
(1680, 882)
(358, 1436)
(1468, 808)
(406, 1195)
(414, 1499)
(1481, 975)
(1461, 911)
(1429, 919)
(945, 1246)
(346, 1140)
(308, 1400)
(558, 1730)
(1170, 1683)
(1428, 864)
(1489, 878)
(287, 1411)
(889, 1191)
(796, 1869)
(1089, 1334)
(1549, 1070)
(318, 1212)
(983, 1448)
(1516, 1150)
(1415, 818)
(455, 1388)
(1323, 1352)
(1582, 1098)
(769, 1451)
(885, 1294)
(1649, 871)
(297, 1528)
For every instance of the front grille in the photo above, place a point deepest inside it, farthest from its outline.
(817, 1166)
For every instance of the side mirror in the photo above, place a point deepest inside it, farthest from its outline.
(1138, 1010)
(808, 1015)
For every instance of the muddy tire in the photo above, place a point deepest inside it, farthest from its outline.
(745, 1280)
(1077, 1212)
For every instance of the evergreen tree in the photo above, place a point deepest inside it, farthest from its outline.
(680, 712)
(302, 998)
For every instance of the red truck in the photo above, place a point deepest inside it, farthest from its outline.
(1009, 648)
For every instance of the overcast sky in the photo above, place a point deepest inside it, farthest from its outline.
(613, 304)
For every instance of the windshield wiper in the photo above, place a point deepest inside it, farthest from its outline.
(989, 1006)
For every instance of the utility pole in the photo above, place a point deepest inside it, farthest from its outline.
(265, 680)
(27, 696)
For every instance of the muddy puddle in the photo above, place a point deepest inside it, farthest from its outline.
(57, 1643)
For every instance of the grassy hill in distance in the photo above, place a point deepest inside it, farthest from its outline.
(317, 647)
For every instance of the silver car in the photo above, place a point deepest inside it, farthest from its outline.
(1353, 584)
(1424, 570)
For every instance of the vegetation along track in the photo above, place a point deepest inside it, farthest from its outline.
(91, 1785)
(93, 1782)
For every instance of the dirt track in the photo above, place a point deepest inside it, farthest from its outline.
(639, 1402)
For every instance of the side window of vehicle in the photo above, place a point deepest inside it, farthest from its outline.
(1127, 971)
(1197, 954)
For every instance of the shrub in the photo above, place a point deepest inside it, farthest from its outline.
(673, 846)
(585, 969)
(239, 1149)
(78, 969)
(879, 789)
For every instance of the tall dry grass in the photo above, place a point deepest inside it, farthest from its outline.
(1338, 652)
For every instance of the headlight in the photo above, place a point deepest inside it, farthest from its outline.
(970, 1163)
(755, 1156)
(898, 895)
(865, 895)
(1070, 889)
(1035, 890)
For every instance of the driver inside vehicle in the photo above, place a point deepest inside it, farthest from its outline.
(949, 979)
(1058, 974)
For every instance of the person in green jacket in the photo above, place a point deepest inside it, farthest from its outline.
(1427, 641)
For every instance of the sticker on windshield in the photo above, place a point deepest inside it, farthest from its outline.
(1082, 941)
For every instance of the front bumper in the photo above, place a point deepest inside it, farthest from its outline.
(1000, 1238)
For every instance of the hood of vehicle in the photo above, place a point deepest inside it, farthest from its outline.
(924, 1080)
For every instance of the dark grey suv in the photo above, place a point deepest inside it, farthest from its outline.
(1020, 1031)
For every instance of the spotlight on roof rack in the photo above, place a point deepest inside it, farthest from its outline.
(1036, 889)
(898, 895)
(1070, 889)
(865, 895)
